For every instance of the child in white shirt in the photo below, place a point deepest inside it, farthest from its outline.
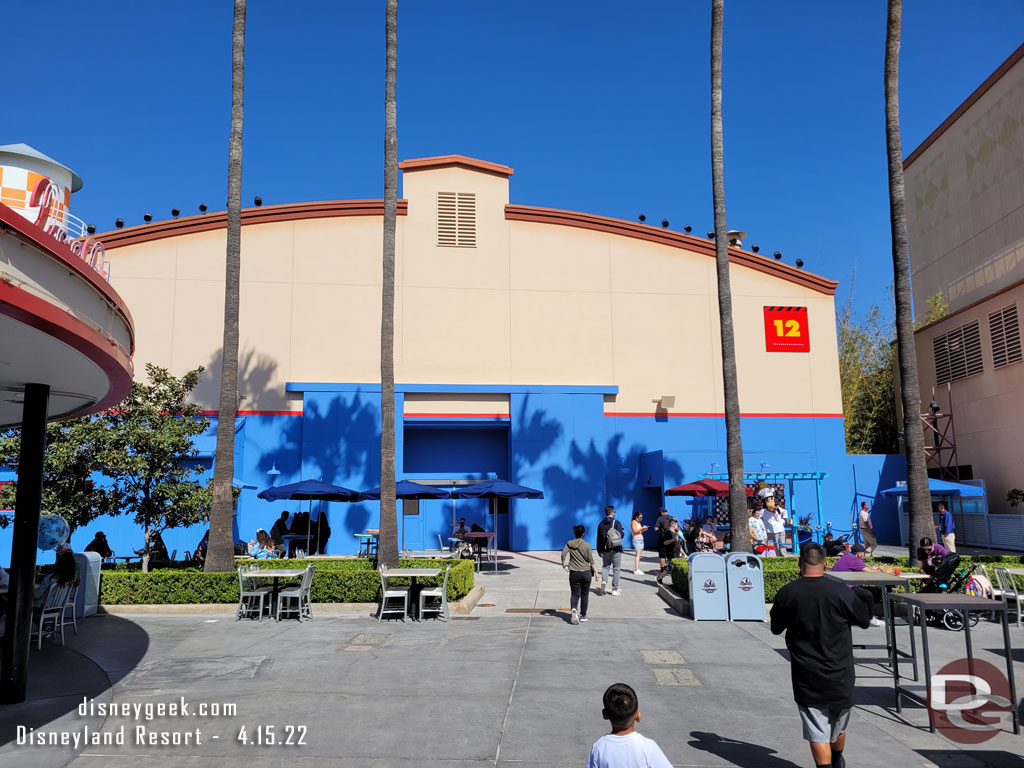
(624, 747)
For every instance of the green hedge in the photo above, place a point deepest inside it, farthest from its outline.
(348, 580)
(779, 571)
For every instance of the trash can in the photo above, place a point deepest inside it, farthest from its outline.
(88, 583)
(709, 600)
(745, 577)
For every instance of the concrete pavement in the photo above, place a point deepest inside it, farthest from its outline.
(495, 688)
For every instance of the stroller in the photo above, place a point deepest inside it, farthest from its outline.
(949, 576)
(833, 546)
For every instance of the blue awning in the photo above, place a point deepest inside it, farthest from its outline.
(941, 488)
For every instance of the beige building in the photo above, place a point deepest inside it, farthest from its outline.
(965, 219)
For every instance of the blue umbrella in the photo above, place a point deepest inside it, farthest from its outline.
(307, 490)
(407, 489)
(941, 488)
(496, 489)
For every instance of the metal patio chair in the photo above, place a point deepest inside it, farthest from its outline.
(439, 594)
(246, 598)
(391, 593)
(1012, 597)
(70, 605)
(52, 613)
(299, 593)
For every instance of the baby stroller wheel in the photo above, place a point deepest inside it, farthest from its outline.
(952, 620)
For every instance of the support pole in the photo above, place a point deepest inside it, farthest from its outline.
(27, 506)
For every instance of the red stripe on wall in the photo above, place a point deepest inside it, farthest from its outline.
(256, 413)
(742, 415)
(456, 416)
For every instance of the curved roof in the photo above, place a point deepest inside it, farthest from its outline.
(26, 151)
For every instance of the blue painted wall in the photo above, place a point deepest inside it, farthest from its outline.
(556, 439)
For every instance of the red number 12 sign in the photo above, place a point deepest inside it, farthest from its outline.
(786, 329)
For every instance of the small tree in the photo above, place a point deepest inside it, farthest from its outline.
(148, 445)
(936, 308)
(72, 456)
(866, 377)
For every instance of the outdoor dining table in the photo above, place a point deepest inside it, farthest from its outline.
(920, 604)
(485, 540)
(413, 574)
(886, 581)
(367, 543)
(126, 558)
(276, 573)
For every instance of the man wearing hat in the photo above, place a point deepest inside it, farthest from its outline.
(853, 561)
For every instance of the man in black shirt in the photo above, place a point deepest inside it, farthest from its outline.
(816, 614)
(660, 526)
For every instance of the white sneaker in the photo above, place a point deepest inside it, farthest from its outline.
(575, 617)
(876, 622)
(604, 587)
(583, 618)
(638, 573)
(616, 592)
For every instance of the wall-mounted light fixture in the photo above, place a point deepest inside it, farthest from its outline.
(665, 401)
(274, 471)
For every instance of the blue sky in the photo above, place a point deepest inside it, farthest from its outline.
(599, 106)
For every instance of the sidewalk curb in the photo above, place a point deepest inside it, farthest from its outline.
(465, 605)
(679, 604)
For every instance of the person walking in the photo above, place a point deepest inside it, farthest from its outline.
(817, 615)
(637, 528)
(624, 747)
(670, 546)
(578, 560)
(867, 531)
(609, 547)
(947, 528)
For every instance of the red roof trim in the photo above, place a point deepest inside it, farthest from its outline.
(264, 215)
(671, 239)
(40, 314)
(442, 161)
(35, 235)
(722, 415)
(969, 102)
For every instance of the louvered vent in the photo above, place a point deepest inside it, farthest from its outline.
(958, 353)
(1005, 331)
(456, 219)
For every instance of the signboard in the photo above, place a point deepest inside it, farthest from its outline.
(786, 329)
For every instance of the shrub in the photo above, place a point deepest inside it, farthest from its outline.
(779, 571)
(348, 580)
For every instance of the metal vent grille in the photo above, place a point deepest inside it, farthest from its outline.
(958, 353)
(456, 219)
(1005, 332)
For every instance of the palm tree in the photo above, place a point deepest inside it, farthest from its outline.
(734, 446)
(918, 495)
(220, 552)
(388, 546)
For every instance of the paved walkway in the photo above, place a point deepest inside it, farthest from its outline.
(496, 688)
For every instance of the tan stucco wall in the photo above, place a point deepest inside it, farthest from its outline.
(965, 200)
(532, 304)
(988, 409)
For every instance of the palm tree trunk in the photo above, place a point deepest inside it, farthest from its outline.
(220, 550)
(918, 495)
(734, 445)
(388, 543)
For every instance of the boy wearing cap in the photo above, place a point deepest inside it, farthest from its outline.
(853, 561)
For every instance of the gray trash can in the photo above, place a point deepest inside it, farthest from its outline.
(746, 587)
(88, 583)
(709, 600)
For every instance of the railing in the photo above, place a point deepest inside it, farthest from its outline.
(59, 216)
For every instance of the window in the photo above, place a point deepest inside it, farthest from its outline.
(958, 353)
(1005, 333)
(456, 219)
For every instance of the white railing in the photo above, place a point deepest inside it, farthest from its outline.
(67, 222)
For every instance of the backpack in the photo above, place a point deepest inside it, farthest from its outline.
(612, 537)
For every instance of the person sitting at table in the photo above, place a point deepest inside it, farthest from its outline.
(157, 548)
(460, 530)
(63, 571)
(278, 531)
(100, 546)
(263, 547)
(930, 554)
(853, 561)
